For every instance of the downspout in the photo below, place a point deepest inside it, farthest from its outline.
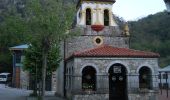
(64, 69)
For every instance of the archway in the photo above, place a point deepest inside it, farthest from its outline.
(89, 78)
(145, 78)
(117, 82)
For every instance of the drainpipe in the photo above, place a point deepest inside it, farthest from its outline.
(64, 69)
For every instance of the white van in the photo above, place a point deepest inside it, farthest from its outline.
(5, 77)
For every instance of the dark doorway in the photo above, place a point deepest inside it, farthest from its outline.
(117, 82)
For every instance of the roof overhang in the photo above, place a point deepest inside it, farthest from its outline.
(19, 47)
(109, 1)
(113, 52)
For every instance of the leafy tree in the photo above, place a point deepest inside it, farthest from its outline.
(152, 33)
(33, 62)
(48, 21)
(41, 22)
(12, 29)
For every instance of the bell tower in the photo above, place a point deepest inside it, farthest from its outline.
(95, 12)
(97, 26)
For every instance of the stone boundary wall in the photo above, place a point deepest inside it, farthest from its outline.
(91, 97)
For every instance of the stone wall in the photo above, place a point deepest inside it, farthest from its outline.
(24, 79)
(87, 42)
(91, 97)
(102, 66)
(144, 96)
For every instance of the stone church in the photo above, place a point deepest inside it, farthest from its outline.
(99, 65)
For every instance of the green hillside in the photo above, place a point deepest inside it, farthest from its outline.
(152, 33)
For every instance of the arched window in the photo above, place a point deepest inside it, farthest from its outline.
(89, 78)
(106, 17)
(145, 78)
(88, 16)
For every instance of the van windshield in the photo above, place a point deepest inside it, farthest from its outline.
(2, 76)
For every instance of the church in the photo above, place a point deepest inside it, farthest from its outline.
(99, 65)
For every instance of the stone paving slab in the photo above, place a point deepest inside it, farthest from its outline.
(163, 95)
(46, 98)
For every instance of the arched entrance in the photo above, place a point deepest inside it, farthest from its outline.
(117, 82)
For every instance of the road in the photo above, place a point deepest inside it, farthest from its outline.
(7, 93)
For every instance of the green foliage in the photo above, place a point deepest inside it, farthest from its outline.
(33, 60)
(12, 29)
(49, 20)
(152, 33)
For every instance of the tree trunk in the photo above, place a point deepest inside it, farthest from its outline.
(44, 66)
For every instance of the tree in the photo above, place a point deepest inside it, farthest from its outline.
(156, 30)
(12, 29)
(48, 21)
(33, 62)
(42, 22)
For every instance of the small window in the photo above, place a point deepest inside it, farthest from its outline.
(165, 76)
(98, 40)
(18, 58)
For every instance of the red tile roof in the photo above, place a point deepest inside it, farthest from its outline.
(109, 51)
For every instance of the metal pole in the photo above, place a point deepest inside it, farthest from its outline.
(166, 84)
(36, 76)
(160, 76)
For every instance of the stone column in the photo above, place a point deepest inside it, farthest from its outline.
(133, 82)
(112, 21)
(77, 83)
(83, 16)
(102, 82)
(155, 81)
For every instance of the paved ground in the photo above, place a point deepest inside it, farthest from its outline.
(163, 96)
(8, 93)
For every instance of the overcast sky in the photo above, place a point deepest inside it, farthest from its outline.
(135, 9)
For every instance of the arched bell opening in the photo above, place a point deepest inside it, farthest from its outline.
(88, 16)
(106, 17)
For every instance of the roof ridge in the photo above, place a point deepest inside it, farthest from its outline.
(108, 50)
